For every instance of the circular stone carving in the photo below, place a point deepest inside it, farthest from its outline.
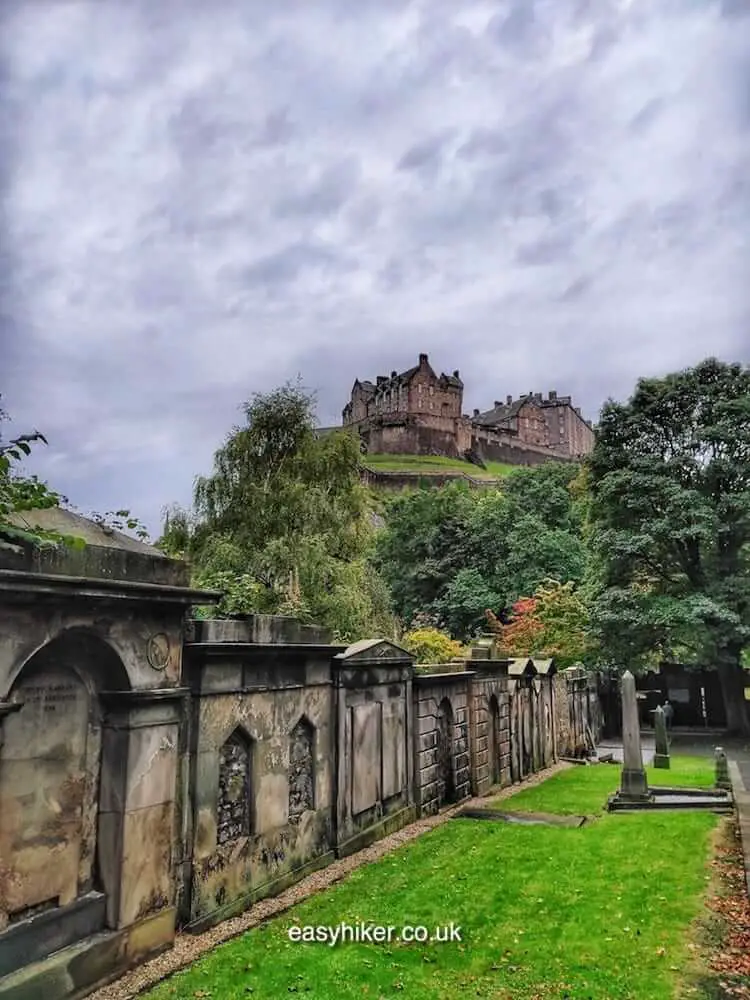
(157, 652)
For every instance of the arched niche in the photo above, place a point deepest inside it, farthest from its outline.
(52, 834)
(301, 769)
(493, 738)
(234, 813)
(445, 753)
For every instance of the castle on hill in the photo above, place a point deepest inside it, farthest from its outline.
(418, 412)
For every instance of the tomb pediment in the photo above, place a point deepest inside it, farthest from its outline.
(521, 667)
(546, 667)
(369, 650)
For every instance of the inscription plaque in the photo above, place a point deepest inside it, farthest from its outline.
(366, 756)
(46, 792)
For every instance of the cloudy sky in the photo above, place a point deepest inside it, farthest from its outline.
(202, 200)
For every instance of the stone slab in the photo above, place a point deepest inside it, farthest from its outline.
(523, 819)
(32, 940)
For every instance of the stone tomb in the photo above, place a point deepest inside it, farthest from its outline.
(373, 684)
(89, 713)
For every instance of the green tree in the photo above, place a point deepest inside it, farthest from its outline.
(453, 553)
(424, 545)
(20, 493)
(282, 524)
(670, 524)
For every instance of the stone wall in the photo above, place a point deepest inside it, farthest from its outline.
(495, 448)
(490, 726)
(441, 739)
(577, 711)
(423, 434)
(154, 775)
(262, 766)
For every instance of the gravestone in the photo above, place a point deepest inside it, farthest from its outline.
(722, 769)
(48, 786)
(633, 784)
(661, 757)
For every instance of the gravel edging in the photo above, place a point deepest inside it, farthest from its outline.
(189, 947)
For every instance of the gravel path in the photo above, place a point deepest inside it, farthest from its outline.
(188, 947)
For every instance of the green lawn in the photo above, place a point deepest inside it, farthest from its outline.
(583, 791)
(596, 913)
(430, 464)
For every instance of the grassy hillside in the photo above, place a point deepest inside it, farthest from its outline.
(426, 464)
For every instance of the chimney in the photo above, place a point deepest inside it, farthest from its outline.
(508, 401)
(497, 403)
(538, 397)
(394, 374)
(423, 359)
(455, 374)
(552, 395)
(577, 409)
(476, 413)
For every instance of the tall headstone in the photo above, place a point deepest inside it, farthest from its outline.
(633, 784)
(722, 769)
(661, 757)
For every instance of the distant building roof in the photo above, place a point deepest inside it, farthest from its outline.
(502, 412)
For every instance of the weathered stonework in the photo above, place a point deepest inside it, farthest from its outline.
(418, 412)
(149, 780)
(301, 770)
(233, 813)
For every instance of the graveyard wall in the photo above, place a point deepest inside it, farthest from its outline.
(219, 762)
(261, 773)
(577, 706)
(490, 725)
(441, 739)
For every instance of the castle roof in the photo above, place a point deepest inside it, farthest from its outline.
(502, 412)
(385, 383)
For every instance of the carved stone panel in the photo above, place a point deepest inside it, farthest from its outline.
(233, 813)
(49, 765)
(301, 770)
(394, 750)
(366, 756)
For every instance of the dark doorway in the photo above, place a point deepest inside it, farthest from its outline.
(493, 739)
(445, 744)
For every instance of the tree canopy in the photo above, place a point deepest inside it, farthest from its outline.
(283, 524)
(669, 484)
(453, 553)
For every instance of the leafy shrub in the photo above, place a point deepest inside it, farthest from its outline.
(430, 645)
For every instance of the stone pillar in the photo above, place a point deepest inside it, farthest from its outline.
(661, 758)
(633, 786)
(722, 769)
(138, 804)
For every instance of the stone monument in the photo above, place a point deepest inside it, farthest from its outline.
(633, 784)
(722, 769)
(661, 757)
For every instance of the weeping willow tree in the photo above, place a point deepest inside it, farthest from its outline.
(283, 524)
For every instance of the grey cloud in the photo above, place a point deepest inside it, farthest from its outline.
(484, 142)
(286, 265)
(200, 201)
(326, 194)
(425, 154)
(648, 114)
(548, 250)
